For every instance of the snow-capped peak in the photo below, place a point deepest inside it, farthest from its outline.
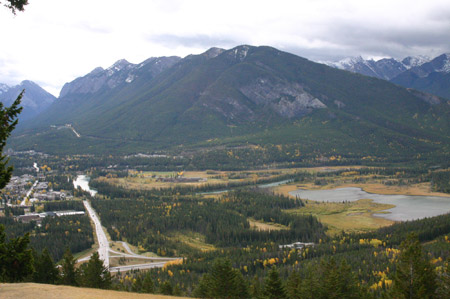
(446, 64)
(118, 66)
(347, 62)
(413, 61)
(3, 88)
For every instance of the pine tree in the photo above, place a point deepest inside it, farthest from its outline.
(240, 285)
(166, 288)
(223, 279)
(203, 289)
(414, 277)
(255, 287)
(273, 286)
(338, 281)
(68, 271)
(45, 269)
(293, 285)
(95, 275)
(8, 121)
(136, 286)
(147, 284)
(16, 259)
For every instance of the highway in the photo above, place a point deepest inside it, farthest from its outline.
(103, 250)
(136, 267)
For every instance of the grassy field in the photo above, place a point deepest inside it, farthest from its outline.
(193, 239)
(264, 226)
(48, 291)
(349, 217)
(151, 180)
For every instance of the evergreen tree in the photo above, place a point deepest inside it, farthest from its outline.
(226, 281)
(136, 286)
(310, 285)
(68, 271)
(95, 275)
(166, 288)
(177, 290)
(45, 269)
(241, 286)
(293, 285)
(256, 288)
(16, 259)
(273, 286)
(203, 289)
(8, 121)
(414, 277)
(444, 281)
(15, 5)
(147, 284)
(338, 281)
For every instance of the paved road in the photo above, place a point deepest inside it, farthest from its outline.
(136, 267)
(103, 243)
(29, 193)
(104, 248)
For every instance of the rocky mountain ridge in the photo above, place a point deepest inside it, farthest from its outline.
(256, 95)
(386, 68)
(34, 101)
(121, 72)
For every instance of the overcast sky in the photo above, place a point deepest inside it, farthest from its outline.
(55, 41)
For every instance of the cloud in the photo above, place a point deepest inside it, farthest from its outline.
(196, 41)
(55, 41)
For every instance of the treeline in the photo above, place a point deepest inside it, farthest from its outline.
(76, 205)
(113, 191)
(441, 181)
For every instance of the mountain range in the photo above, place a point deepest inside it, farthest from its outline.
(34, 101)
(419, 72)
(245, 96)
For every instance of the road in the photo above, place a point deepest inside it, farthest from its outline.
(23, 203)
(103, 249)
(136, 267)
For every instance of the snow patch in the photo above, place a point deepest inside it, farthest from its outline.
(130, 78)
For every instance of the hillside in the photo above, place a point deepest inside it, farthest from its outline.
(246, 95)
(48, 291)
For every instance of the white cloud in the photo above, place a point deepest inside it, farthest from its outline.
(53, 41)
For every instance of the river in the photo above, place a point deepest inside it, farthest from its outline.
(83, 182)
(407, 207)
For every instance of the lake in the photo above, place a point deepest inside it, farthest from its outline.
(407, 207)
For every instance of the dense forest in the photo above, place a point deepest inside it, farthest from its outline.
(73, 232)
(223, 222)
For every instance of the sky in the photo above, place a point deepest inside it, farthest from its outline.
(55, 41)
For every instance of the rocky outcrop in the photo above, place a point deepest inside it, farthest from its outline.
(285, 98)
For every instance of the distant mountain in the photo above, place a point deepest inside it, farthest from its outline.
(386, 68)
(432, 77)
(244, 96)
(34, 101)
(121, 72)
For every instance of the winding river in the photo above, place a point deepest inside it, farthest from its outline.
(407, 207)
(82, 181)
